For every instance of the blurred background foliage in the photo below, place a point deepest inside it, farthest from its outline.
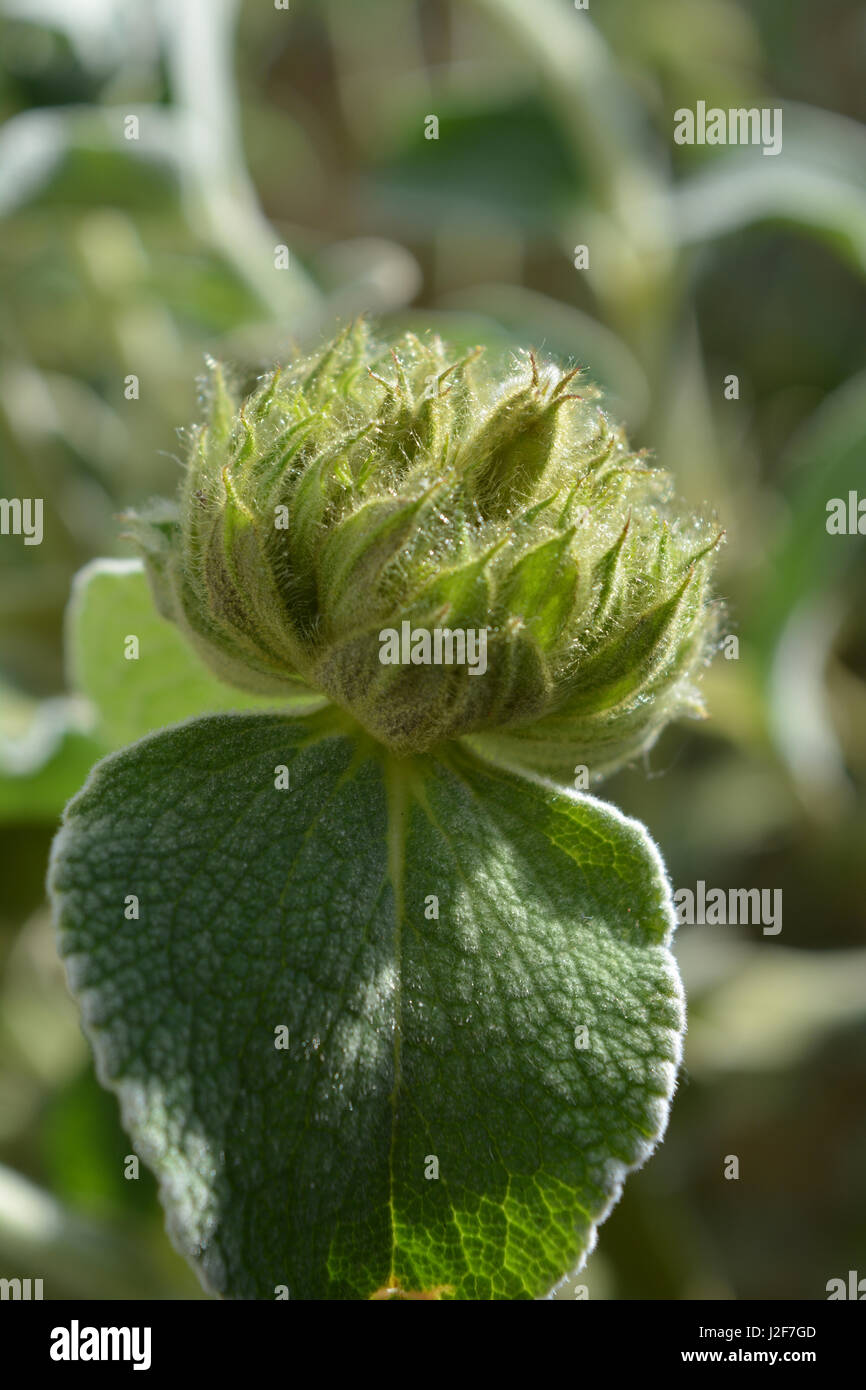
(305, 127)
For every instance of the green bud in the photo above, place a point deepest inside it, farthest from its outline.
(445, 550)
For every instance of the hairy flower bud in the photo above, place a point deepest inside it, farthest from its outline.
(446, 551)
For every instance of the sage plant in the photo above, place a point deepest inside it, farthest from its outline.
(395, 1013)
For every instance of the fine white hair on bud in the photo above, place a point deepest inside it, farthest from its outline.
(373, 486)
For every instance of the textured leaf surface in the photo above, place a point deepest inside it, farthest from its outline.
(410, 1037)
(166, 682)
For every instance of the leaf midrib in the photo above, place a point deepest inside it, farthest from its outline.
(397, 795)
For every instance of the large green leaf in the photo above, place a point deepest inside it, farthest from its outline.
(165, 682)
(411, 1037)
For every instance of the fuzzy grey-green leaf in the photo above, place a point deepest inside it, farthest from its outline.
(471, 968)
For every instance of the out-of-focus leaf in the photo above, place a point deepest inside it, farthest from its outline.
(600, 111)
(826, 460)
(72, 1253)
(79, 155)
(84, 1152)
(491, 162)
(101, 32)
(41, 1039)
(44, 756)
(768, 1013)
(817, 182)
(198, 38)
(799, 709)
(787, 626)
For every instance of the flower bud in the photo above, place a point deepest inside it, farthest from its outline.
(443, 549)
